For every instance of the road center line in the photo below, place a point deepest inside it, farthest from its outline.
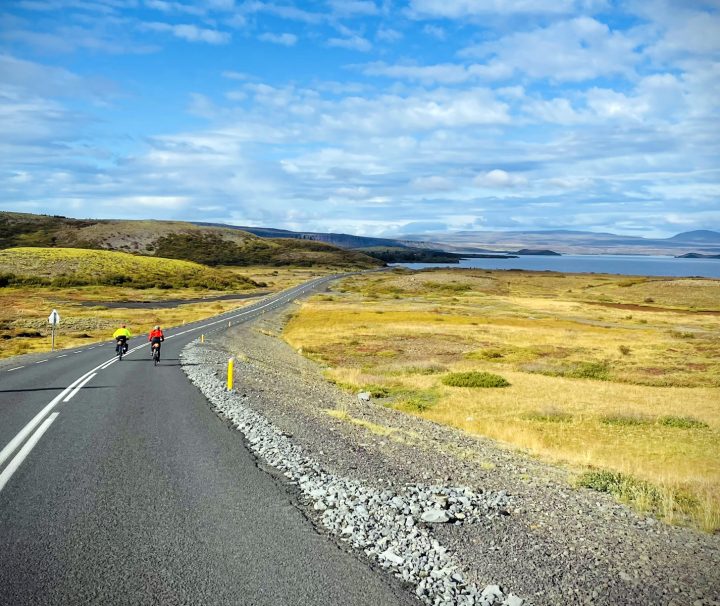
(16, 368)
(79, 387)
(25, 450)
(62, 355)
(25, 431)
(40, 361)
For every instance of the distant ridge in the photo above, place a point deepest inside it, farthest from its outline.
(699, 235)
(578, 242)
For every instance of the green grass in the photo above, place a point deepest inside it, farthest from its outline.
(65, 267)
(626, 420)
(549, 416)
(474, 379)
(682, 422)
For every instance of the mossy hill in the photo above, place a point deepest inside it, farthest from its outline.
(80, 267)
(172, 239)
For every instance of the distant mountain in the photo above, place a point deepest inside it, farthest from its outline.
(341, 240)
(704, 236)
(577, 242)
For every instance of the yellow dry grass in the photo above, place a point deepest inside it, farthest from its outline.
(649, 407)
(24, 310)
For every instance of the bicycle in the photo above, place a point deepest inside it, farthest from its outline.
(121, 348)
(156, 353)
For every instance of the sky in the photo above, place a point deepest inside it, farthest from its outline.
(371, 117)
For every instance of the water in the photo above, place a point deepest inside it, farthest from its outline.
(629, 265)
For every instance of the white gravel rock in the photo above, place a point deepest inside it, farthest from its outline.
(381, 523)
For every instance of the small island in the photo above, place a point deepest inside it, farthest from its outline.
(696, 256)
(538, 251)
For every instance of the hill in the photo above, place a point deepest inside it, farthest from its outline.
(80, 267)
(205, 244)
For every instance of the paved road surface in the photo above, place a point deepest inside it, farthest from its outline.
(130, 490)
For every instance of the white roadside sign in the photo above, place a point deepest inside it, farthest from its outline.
(54, 318)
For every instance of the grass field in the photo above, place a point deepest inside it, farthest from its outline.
(40, 279)
(616, 377)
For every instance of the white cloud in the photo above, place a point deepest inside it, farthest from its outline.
(554, 111)
(385, 34)
(435, 32)
(353, 8)
(456, 9)
(282, 39)
(354, 42)
(433, 183)
(191, 33)
(573, 50)
(499, 178)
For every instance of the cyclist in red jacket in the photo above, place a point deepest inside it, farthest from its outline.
(156, 336)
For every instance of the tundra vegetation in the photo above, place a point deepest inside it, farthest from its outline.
(618, 378)
(86, 286)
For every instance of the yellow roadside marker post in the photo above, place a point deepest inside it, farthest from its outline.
(202, 338)
(231, 364)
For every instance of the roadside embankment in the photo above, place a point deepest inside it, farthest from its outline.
(461, 519)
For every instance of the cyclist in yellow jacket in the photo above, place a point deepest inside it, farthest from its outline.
(121, 335)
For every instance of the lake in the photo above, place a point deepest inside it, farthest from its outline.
(630, 265)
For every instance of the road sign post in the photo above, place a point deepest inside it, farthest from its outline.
(53, 320)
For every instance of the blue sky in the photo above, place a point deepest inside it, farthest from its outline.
(374, 117)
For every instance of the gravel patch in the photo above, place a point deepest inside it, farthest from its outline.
(460, 519)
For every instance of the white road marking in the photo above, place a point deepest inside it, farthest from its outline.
(62, 356)
(89, 348)
(25, 431)
(25, 451)
(79, 387)
(16, 368)
(40, 361)
(79, 382)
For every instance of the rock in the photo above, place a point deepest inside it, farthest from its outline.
(391, 556)
(435, 516)
(364, 396)
(513, 600)
(492, 591)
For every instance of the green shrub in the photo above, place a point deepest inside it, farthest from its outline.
(682, 422)
(415, 400)
(625, 420)
(474, 379)
(549, 416)
(376, 391)
(589, 370)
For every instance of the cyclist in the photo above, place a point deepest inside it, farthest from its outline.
(156, 336)
(122, 334)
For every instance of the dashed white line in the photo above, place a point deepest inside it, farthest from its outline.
(79, 387)
(62, 355)
(16, 368)
(78, 351)
(40, 361)
(25, 450)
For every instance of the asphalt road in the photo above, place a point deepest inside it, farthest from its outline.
(119, 485)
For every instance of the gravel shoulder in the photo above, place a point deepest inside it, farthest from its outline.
(549, 544)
